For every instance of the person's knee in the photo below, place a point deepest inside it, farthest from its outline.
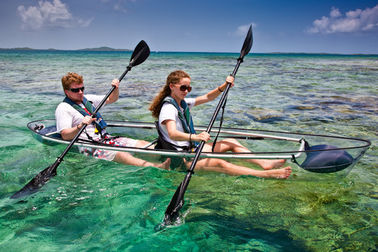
(141, 143)
(231, 141)
(121, 156)
(220, 163)
(229, 144)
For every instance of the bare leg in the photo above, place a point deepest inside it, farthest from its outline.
(233, 145)
(219, 165)
(127, 158)
(142, 143)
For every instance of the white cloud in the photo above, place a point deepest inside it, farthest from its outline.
(353, 21)
(49, 14)
(118, 5)
(335, 13)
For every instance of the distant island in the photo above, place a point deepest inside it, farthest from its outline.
(96, 49)
(109, 49)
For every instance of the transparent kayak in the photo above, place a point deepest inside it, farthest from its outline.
(314, 153)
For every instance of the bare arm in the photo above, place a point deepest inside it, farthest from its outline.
(70, 133)
(115, 94)
(215, 92)
(177, 135)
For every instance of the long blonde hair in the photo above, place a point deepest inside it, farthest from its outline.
(173, 78)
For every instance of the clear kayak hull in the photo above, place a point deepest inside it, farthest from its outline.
(314, 153)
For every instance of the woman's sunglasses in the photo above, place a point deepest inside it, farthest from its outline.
(76, 90)
(185, 87)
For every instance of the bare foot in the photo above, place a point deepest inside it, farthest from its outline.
(268, 164)
(165, 165)
(282, 173)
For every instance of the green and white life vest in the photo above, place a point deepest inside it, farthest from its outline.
(99, 123)
(187, 124)
(185, 118)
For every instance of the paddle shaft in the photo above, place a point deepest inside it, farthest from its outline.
(184, 184)
(177, 200)
(213, 118)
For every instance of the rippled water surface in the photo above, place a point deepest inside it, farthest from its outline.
(94, 205)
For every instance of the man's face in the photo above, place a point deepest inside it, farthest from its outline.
(76, 92)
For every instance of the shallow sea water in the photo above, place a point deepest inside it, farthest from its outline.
(94, 205)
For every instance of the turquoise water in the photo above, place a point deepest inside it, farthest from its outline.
(94, 205)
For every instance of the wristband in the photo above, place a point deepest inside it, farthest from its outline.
(220, 90)
(190, 137)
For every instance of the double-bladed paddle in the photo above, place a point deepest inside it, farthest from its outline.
(177, 201)
(140, 54)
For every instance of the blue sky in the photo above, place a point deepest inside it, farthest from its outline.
(322, 26)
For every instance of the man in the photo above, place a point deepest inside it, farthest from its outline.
(76, 110)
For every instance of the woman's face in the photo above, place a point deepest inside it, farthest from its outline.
(181, 89)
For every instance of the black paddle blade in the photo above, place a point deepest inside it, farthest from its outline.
(247, 43)
(37, 182)
(140, 54)
(172, 212)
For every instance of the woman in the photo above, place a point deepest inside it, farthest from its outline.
(177, 132)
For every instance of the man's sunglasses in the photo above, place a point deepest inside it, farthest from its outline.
(185, 87)
(76, 90)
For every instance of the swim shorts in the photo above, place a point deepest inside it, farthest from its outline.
(108, 154)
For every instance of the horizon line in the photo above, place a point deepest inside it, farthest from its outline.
(109, 49)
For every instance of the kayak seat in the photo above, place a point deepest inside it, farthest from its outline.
(48, 130)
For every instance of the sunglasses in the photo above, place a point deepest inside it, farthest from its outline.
(76, 90)
(185, 87)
